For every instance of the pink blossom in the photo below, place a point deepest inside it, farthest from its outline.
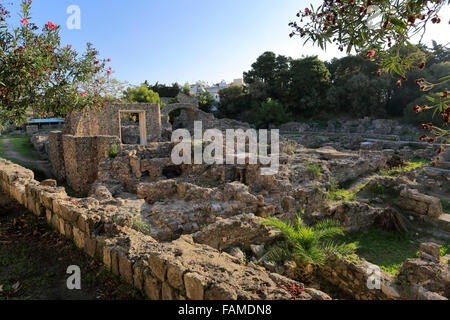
(371, 53)
(51, 25)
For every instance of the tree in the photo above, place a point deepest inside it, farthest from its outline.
(269, 74)
(164, 90)
(233, 101)
(309, 83)
(187, 89)
(141, 94)
(205, 101)
(350, 25)
(37, 72)
(273, 112)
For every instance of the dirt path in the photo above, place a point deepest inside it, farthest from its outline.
(42, 165)
(34, 260)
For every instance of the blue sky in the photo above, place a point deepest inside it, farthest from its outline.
(180, 40)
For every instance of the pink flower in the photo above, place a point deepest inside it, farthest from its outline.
(109, 59)
(83, 93)
(51, 25)
(306, 10)
(109, 72)
(110, 68)
(24, 21)
(370, 54)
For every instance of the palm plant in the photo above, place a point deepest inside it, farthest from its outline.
(308, 245)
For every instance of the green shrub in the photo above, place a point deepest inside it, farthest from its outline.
(446, 206)
(273, 112)
(113, 151)
(314, 169)
(378, 188)
(141, 226)
(308, 245)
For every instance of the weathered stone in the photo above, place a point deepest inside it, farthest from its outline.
(258, 250)
(125, 268)
(49, 183)
(175, 276)
(152, 287)
(433, 249)
(194, 284)
(158, 267)
(78, 237)
(167, 292)
(220, 291)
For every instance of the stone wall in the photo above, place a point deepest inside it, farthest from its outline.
(32, 129)
(180, 269)
(56, 154)
(81, 158)
(106, 121)
(351, 277)
(413, 200)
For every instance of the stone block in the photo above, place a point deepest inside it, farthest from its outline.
(194, 284)
(125, 268)
(158, 267)
(152, 286)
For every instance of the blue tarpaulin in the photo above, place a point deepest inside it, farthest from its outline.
(54, 120)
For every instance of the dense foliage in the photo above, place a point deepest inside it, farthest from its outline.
(164, 90)
(141, 94)
(308, 87)
(308, 245)
(38, 73)
(353, 25)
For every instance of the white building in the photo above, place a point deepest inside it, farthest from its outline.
(213, 89)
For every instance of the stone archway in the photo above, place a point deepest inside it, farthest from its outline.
(189, 113)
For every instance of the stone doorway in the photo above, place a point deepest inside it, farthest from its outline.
(129, 122)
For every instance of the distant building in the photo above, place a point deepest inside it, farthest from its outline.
(213, 89)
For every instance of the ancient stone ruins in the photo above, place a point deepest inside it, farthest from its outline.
(181, 231)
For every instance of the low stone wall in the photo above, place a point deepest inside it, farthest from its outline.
(32, 129)
(351, 276)
(180, 269)
(412, 200)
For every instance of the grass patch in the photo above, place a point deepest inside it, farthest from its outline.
(345, 194)
(412, 165)
(445, 206)
(23, 146)
(445, 248)
(141, 226)
(386, 249)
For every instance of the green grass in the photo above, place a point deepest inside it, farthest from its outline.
(412, 164)
(446, 206)
(39, 175)
(314, 169)
(386, 249)
(345, 194)
(23, 146)
(445, 248)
